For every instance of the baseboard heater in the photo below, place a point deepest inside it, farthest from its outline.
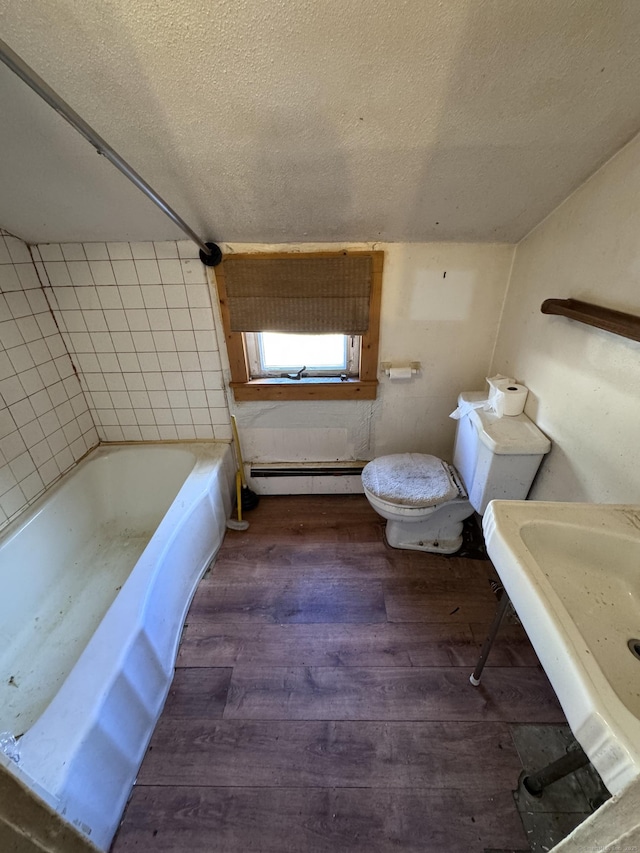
(310, 469)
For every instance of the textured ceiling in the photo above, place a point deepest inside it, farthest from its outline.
(292, 120)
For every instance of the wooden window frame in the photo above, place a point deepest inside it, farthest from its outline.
(363, 388)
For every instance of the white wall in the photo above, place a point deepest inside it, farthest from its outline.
(137, 320)
(45, 425)
(585, 383)
(441, 305)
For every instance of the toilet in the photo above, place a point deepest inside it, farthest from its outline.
(425, 500)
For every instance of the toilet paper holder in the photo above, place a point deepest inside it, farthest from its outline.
(385, 367)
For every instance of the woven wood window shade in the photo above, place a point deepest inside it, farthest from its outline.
(307, 295)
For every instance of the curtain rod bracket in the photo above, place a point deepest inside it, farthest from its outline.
(214, 257)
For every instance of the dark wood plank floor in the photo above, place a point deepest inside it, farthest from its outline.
(322, 700)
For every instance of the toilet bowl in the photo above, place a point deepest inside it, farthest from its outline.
(425, 500)
(421, 497)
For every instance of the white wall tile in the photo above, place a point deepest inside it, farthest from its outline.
(5, 257)
(148, 272)
(125, 272)
(14, 444)
(173, 380)
(18, 251)
(138, 320)
(197, 399)
(50, 252)
(115, 381)
(11, 390)
(39, 390)
(166, 249)
(80, 273)
(171, 271)
(9, 280)
(153, 296)
(142, 250)
(28, 276)
(175, 295)
(102, 272)
(167, 432)
(185, 340)
(186, 432)
(164, 341)
(29, 328)
(144, 343)
(149, 433)
(95, 322)
(57, 274)
(73, 251)
(119, 251)
(13, 501)
(187, 249)
(204, 432)
(88, 298)
(158, 319)
(131, 296)
(148, 360)
(96, 251)
(108, 362)
(194, 380)
(123, 342)
(168, 361)
(109, 297)
(188, 360)
(10, 334)
(20, 358)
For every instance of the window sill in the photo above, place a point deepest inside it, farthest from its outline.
(304, 389)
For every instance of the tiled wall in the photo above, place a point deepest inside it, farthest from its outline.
(45, 424)
(138, 323)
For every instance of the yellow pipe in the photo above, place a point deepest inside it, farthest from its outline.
(236, 439)
(239, 493)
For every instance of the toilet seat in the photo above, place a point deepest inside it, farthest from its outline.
(416, 480)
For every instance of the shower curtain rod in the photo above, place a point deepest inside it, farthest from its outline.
(210, 253)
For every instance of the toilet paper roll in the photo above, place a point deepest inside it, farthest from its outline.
(399, 373)
(510, 399)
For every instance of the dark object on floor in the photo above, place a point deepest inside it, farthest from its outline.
(564, 804)
(473, 547)
(573, 759)
(249, 499)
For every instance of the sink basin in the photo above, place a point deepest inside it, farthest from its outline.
(572, 572)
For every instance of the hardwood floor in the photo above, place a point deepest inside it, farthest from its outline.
(322, 702)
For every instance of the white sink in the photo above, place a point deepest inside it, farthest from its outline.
(572, 572)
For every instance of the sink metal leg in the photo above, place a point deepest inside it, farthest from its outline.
(474, 678)
(535, 783)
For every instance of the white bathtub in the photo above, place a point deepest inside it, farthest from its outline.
(96, 580)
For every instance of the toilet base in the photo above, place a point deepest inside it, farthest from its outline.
(438, 533)
(406, 536)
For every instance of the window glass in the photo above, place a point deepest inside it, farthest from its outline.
(272, 354)
(290, 352)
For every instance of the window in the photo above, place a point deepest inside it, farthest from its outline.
(282, 312)
(286, 355)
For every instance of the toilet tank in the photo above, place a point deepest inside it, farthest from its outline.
(497, 458)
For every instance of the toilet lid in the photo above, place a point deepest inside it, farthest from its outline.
(410, 479)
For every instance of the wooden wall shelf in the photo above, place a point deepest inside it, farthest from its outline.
(617, 322)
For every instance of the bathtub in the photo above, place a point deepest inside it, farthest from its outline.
(96, 581)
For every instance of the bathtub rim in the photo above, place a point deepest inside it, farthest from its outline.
(33, 509)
